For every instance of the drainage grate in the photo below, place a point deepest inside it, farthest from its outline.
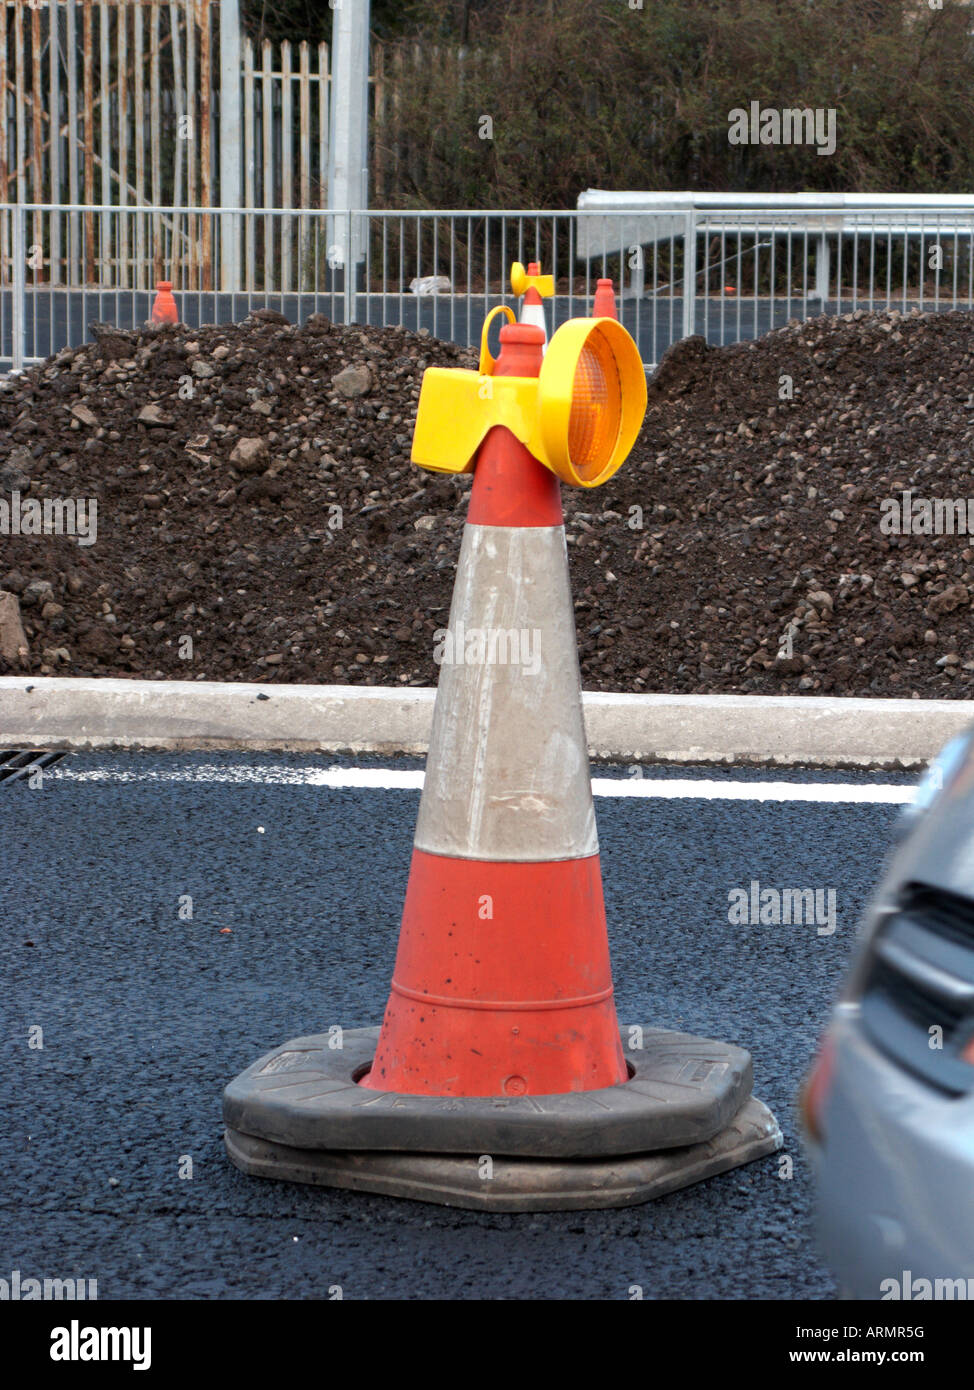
(17, 764)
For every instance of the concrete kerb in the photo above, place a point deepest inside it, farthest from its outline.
(772, 730)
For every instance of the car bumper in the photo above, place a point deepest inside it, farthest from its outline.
(896, 1176)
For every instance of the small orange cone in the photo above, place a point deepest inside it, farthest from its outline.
(532, 308)
(535, 288)
(604, 303)
(502, 984)
(164, 309)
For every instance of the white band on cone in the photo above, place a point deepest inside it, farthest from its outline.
(534, 314)
(507, 775)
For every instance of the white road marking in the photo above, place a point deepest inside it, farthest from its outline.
(871, 793)
(395, 779)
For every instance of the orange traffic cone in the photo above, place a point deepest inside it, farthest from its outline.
(498, 1079)
(502, 983)
(604, 303)
(164, 309)
(532, 306)
(534, 287)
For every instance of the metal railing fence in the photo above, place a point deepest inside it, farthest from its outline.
(727, 273)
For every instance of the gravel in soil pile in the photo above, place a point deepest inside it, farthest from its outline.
(255, 495)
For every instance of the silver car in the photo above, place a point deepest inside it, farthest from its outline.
(889, 1106)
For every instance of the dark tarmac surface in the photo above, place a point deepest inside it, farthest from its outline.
(146, 1017)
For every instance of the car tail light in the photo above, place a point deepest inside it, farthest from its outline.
(814, 1093)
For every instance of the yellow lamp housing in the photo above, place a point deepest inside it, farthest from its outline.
(521, 282)
(580, 417)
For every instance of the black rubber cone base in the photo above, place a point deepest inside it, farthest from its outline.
(683, 1090)
(483, 1183)
(686, 1113)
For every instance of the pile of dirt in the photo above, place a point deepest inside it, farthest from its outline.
(258, 517)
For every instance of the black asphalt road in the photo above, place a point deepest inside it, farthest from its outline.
(58, 317)
(145, 1017)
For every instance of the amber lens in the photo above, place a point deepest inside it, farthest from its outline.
(596, 414)
(814, 1093)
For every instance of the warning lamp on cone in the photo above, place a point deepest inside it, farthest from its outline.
(531, 279)
(580, 417)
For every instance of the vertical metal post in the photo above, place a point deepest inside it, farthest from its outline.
(287, 166)
(4, 143)
(822, 269)
(637, 274)
(690, 274)
(71, 60)
(104, 72)
(230, 144)
(176, 243)
(345, 240)
(206, 139)
(18, 320)
(54, 70)
(348, 145)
